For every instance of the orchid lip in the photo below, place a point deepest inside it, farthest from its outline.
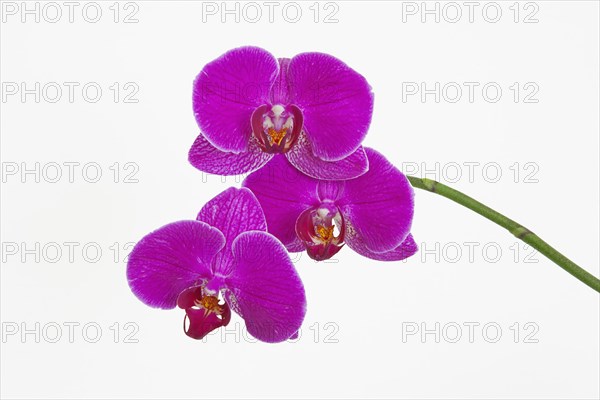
(321, 229)
(203, 312)
(277, 127)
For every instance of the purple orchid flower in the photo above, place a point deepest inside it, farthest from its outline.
(250, 105)
(225, 251)
(372, 213)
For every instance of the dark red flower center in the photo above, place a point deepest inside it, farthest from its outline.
(203, 312)
(321, 230)
(276, 127)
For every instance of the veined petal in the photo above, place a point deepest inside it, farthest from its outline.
(171, 259)
(233, 211)
(284, 193)
(280, 89)
(301, 156)
(377, 206)
(264, 288)
(227, 91)
(209, 159)
(336, 101)
(404, 250)
(330, 191)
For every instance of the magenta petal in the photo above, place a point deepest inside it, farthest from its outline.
(171, 259)
(330, 191)
(404, 250)
(301, 156)
(279, 91)
(284, 193)
(233, 211)
(227, 91)
(377, 206)
(209, 159)
(264, 288)
(337, 103)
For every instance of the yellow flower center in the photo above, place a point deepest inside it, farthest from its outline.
(210, 303)
(277, 136)
(325, 233)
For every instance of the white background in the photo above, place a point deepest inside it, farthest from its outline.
(358, 307)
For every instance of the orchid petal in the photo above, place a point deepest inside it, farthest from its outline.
(233, 211)
(227, 91)
(302, 157)
(404, 250)
(295, 336)
(209, 159)
(284, 193)
(377, 206)
(171, 259)
(264, 288)
(280, 88)
(337, 103)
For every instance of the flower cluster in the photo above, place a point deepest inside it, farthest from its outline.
(297, 126)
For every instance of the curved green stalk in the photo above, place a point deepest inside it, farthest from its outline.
(519, 231)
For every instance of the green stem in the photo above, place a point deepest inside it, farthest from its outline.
(518, 230)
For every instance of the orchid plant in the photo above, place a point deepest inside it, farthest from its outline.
(297, 126)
